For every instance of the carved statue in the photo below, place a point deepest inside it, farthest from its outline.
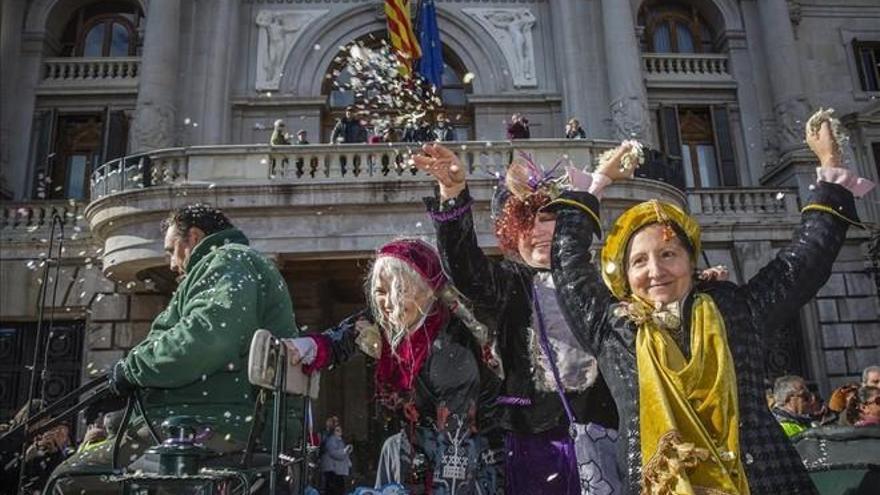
(279, 30)
(276, 30)
(512, 30)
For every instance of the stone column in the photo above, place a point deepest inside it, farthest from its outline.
(579, 65)
(215, 117)
(155, 115)
(629, 99)
(790, 105)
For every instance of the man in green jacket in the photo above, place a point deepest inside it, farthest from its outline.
(193, 362)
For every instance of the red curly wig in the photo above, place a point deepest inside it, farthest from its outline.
(516, 219)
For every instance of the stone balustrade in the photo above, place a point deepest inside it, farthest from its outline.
(726, 205)
(79, 73)
(24, 217)
(678, 68)
(321, 163)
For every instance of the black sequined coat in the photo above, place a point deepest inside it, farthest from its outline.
(500, 291)
(764, 303)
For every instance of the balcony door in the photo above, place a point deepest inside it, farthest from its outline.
(78, 152)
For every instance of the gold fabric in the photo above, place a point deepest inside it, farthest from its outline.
(688, 409)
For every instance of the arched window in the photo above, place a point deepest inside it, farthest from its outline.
(674, 28)
(454, 92)
(103, 29)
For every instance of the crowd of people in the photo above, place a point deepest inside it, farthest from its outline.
(352, 130)
(539, 372)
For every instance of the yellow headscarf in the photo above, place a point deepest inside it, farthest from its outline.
(688, 409)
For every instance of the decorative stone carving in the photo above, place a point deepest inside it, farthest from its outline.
(791, 116)
(278, 32)
(630, 118)
(512, 30)
(153, 127)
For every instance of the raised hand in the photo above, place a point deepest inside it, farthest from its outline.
(719, 273)
(441, 162)
(823, 144)
(610, 162)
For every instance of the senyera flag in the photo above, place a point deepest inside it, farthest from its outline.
(403, 39)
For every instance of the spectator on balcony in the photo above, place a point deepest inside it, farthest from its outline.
(518, 128)
(688, 354)
(301, 138)
(280, 136)
(348, 129)
(443, 130)
(194, 359)
(573, 130)
(794, 404)
(417, 132)
(871, 376)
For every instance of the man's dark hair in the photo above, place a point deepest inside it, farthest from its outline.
(201, 215)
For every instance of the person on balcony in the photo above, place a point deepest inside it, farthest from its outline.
(518, 128)
(194, 359)
(443, 130)
(573, 130)
(348, 129)
(433, 372)
(684, 357)
(280, 136)
(302, 138)
(550, 380)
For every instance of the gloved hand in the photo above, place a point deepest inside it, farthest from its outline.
(120, 385)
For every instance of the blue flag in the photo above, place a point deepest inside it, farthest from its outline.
(431, 64)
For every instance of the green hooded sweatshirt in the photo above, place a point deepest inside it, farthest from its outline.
(194, 360)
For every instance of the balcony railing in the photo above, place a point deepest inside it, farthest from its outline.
(680, 68)
(320, 163)
(25, 217)
(734, 204)
(106, 73)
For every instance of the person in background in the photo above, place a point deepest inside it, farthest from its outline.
(280, 136)
(301, 138)
(794, 403)
(838, 402)
(348, 130)
(335, 462)
(868, 399)
(443, 130)
(573, 130)
(518, 128)
(871, 376)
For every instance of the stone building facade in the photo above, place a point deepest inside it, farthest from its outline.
(115, 111)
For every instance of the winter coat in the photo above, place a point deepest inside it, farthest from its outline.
(518, 130)
(578, 133)
(453, 374)
(279, 138)
(194, 359)
(750, 312)
(420, 134)
(348, 131)
(443, 133)
(334, 457)
(503, 290)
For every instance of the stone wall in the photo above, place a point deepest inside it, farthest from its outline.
(849, 316)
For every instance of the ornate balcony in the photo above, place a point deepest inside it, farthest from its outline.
(318, 201)
(685, 69)
(78, 75)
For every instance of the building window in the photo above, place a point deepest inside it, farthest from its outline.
(103, 29)
(698, 139)
(868, 61)
(674, 28)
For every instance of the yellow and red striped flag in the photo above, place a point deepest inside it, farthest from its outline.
(403, 39)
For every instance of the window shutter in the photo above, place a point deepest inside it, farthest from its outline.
(670, 139)
(726, 158)
(117, 135)
(41, 147)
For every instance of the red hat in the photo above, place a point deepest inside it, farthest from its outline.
(420, 256)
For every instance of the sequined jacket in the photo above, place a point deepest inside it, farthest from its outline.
(500, 291)
(764, 303)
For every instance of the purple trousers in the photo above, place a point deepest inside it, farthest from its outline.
(539, 463)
